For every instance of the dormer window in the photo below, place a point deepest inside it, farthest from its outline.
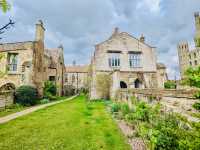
(135, 59)
(114, 60)
(12, 62)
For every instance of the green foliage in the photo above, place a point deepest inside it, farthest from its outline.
(115, 107)
(196, 105)
(44, 101)
(197, 95)
(50, 90)
(50, 87)
(4, 5)
(125, 109)
(170, 85)
(142, 112)
(161, 130)
(192, 77)
(26, 95)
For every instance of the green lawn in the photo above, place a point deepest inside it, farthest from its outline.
(72, 125)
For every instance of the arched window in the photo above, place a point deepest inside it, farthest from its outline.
(123, 85)
(137, 83)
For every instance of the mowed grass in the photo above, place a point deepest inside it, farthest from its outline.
(72, 125)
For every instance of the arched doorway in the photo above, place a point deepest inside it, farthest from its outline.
(138, 83)
(123, 85)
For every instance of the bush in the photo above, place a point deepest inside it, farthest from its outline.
(69, 90)
(125, 109)
(115, 107)
(26, 95)
(196, 106)
(170, 85)
(197, 95)
(44, 101)
(49, 88)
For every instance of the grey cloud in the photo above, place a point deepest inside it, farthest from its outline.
(80, 24)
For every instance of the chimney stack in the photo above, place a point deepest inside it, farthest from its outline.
(39, 31)
(116, 31)
(196, 14)
(142, 38)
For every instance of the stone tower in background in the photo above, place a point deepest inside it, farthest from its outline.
(197, 25)
(190, 57)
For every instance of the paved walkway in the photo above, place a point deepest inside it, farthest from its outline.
(30, 110)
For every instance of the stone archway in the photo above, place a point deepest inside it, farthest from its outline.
(7, 87)
(123, 85)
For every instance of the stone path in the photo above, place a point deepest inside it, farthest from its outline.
(30, 110)
(135, 142)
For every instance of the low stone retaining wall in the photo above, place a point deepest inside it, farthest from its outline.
(180, 101)
(6, 99)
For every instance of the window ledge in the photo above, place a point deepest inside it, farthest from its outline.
(13, 73)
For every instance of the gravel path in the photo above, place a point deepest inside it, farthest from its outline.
(135, 142)
(30, 110)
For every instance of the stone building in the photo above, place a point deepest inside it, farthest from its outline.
(130, 62)
(76, 76)
(30, 63)
(190, 57)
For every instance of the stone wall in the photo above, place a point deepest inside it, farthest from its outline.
(179, 101)
(6, 99)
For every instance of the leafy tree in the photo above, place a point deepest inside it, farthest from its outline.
(5, 7)
(192, 77)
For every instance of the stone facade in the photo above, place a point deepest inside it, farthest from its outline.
(29, 63)
(130, 62)
(190, 57)
(76, 76)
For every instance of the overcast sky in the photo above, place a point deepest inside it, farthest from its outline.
(80, 24)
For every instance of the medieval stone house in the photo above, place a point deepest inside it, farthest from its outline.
(30, 63)
(130, 62)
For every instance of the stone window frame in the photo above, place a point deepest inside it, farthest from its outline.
(135, 59)
(114, 59)
(13, 64)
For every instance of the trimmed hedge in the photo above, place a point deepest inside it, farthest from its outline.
(26, 95)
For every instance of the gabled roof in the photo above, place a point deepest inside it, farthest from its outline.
(122, 33)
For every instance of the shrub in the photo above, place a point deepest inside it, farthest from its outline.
(142, 111)
(197, 95)
(69, 90)
(26, 95)
(170, 85)
(115, 107)
(125, 109)
(196, 105)
(49, 88)
(44, 101)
